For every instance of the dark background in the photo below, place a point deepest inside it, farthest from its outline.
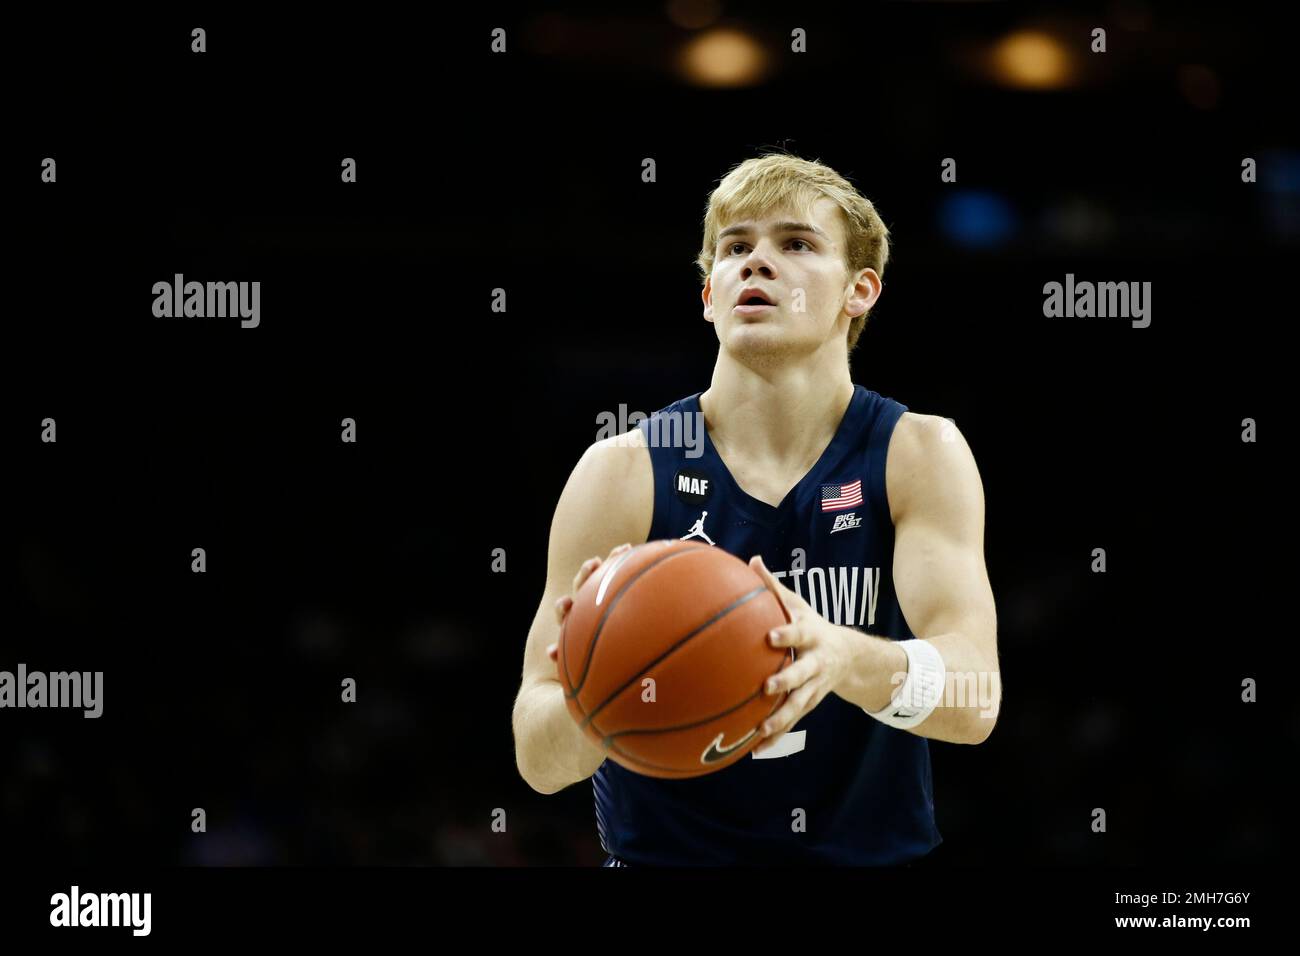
(523, 171)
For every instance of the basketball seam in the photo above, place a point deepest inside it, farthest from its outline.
(613, 601)
(694, 723)
(675, 770)
(743, 599)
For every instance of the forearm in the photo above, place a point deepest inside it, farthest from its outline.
(551, 751)
(972, 689)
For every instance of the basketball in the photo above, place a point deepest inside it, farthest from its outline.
(664, 654)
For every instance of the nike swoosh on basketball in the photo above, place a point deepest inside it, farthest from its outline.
(716, 752)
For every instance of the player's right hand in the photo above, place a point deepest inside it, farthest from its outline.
(563, 605)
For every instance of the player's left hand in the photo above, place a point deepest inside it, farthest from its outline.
(824, 654)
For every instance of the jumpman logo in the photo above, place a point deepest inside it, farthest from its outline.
(697, 529)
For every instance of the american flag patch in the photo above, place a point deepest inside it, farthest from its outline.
(839, 497)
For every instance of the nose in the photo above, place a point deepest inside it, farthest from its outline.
(757, 261)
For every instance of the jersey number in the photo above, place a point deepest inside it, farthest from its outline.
(790, 742)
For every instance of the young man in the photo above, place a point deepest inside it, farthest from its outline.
(871, 517)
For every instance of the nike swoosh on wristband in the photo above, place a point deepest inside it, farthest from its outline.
(714, 753)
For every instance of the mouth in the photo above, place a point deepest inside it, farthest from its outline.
(753, 302)
(753, 297)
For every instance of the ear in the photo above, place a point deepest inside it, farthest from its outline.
(864, 294)
(706, 294)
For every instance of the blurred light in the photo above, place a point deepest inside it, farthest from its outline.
(723, 57)
(693, 14)
(1199, 86)
(1080, 221)
(1278, 173)
(976, 218)
(243, 843)
(548, 32)
(317, 633)
(1131, 15)
(1033, 59)
(1279, 170)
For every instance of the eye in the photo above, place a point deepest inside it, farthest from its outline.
(731, 247)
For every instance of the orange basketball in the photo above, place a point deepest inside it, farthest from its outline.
(664, 654)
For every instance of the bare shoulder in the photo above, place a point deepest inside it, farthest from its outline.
(632, 438)
(623, 457)
(608, 499)
(930, 464)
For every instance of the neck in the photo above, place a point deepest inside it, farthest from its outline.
(783, 417)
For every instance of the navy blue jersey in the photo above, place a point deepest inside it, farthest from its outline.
(844, 788)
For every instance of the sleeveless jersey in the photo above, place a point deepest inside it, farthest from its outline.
(841, 787)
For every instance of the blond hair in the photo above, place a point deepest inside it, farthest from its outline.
(758, 187)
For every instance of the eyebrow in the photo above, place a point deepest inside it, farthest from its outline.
(776, 227)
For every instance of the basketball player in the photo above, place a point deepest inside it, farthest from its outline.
(866, 520)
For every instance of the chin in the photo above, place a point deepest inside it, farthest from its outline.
(755, 340)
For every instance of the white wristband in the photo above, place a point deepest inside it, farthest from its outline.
(921, 691)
